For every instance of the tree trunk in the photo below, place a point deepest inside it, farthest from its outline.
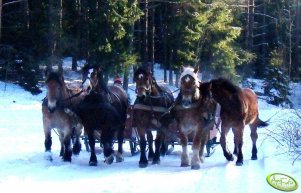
(251, 24)
(50, 36)
(1, 4)
(145, 32)
(152, 51)
(125, 84)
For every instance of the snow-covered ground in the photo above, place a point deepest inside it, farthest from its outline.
(24, 169)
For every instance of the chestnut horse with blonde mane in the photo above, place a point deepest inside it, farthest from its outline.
(239, 107)
(195, 114)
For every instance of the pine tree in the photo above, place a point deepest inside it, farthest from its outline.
(276, 82)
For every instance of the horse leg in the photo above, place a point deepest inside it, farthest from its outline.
(142, 142)
(184, 156)
(67, 145)
(107, 141)
(150, 140)
(238, 138)
(224, 131)
(164, 145)
(48, 143)
(196, 145)
(254, 137)
(77, 145)
(61, 137)
(156, 159)
(91, 138)
(120, 137)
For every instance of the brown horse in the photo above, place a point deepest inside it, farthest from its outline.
(239, 107)
(150, 112)
(58, 97)
(103, 109)
(195, 113)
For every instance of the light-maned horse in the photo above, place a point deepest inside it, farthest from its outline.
(195, 114)
(58, 97)
(150, 111)
(239, 107)
(104, 110)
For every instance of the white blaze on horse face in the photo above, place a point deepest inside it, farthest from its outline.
(51, 104)
(140, 76)
(187, 79)
(87, 85)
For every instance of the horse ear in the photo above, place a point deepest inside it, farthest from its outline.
(196, 69)
(181, 68)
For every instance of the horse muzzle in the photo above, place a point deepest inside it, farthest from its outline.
(142, 91)
(51, 106)
(186, 102)
(86, 86)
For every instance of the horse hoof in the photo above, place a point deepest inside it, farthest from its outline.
(48, 156)
(254, 157)
(195, 167)
(76, 149)
(229, 157)
(239, 163)
(119, 159)
(143, 165)
(92, 163)
(109, 160)
(156, 162)
(184, 165)
(67, 159)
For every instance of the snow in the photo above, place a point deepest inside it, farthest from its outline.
(23, 167)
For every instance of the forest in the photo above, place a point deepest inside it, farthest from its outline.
(236, 39)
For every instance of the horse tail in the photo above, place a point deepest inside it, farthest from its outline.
(262, 123)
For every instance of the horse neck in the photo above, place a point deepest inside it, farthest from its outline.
(101, 86)
(155, 89)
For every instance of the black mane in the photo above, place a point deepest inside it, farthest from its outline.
(56, 76)
(223, 83)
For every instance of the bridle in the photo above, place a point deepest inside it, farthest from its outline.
(147, 87)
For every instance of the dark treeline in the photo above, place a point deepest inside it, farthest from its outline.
(236, 39)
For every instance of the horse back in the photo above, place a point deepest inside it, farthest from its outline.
(119, 98)
(169, 96)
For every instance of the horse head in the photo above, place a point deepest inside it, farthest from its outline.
(143, 79)
(55, 89)
(189, 85)
(90, 78)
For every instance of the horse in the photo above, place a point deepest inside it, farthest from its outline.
(239, 107)
(194, 111)
(58, 97)
(150, 111)
(103, 109)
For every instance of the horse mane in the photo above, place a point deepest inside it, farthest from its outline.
(226, 84)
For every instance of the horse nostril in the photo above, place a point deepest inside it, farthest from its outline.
(51, 110)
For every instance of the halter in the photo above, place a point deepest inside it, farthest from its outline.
(145, 87)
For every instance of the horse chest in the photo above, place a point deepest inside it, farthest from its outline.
(188, 120)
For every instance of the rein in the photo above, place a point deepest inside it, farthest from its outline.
(72, 96)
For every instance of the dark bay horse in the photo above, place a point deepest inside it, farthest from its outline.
(104, 110)
(149, 112)
(58, 97)
(195, 114)
(239, 107)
